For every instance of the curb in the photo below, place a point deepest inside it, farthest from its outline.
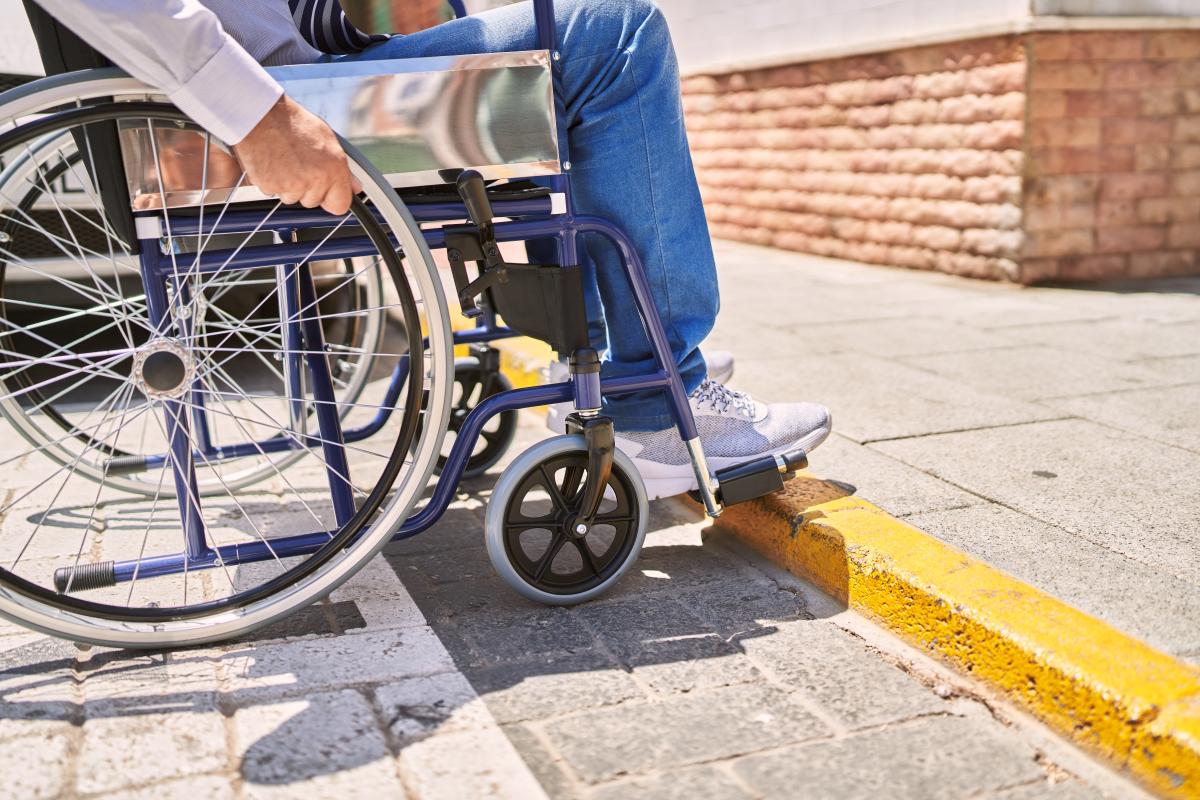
(1134, 706)
(1116, 696)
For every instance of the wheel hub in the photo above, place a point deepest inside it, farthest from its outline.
(163, 369)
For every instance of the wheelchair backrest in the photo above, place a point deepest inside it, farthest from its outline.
(62, 51)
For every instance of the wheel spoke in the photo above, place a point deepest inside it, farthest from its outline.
(548, 557)
(585, 553)
(553, 490)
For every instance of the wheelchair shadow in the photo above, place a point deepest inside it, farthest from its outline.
(317, 695)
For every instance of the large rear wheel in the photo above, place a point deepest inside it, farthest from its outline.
(201, 397)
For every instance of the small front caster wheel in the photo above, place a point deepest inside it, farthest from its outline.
(533, 536)
(473, 383)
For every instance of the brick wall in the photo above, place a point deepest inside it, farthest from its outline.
(410, 16)
(1069, 156)
(1113, 185)
(911, 158)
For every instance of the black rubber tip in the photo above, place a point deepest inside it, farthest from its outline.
(125, 465)
(85, 576)
(795, 460)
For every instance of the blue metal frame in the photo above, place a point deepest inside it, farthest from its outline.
(530, 219)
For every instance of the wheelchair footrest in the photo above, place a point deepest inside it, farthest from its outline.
(85, 576)
(758, 478)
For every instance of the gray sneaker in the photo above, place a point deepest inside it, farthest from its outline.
(733, 428)
(718, 362)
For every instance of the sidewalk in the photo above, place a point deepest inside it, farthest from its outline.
(1053, 433)
(706, 673)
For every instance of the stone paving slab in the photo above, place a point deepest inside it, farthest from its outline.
(420, 680)
(330, 702)
(873, 399)
(1097, 482)
(1034, 372)
(1122, 339)
(426, 677)
(698, 663)
(890, 483)
(855, 767)
(1113, 586)
(1170, 415)
(1085, 421)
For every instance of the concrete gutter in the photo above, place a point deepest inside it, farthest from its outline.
(1132, 705)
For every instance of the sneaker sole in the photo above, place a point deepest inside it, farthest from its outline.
(659, 486)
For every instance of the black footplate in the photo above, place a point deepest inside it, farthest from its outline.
(757, 478)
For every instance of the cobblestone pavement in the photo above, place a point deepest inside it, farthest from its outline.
(1051, 432)
(705, 674)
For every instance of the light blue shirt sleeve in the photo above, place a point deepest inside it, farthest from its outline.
(180, 48)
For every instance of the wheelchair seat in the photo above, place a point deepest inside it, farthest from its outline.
(497, 193)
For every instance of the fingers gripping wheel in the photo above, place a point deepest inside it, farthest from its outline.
(534, 535)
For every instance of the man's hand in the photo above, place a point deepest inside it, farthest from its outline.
(293, 154)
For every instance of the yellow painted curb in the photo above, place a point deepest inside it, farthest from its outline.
(1118, 697)
(1123, 700)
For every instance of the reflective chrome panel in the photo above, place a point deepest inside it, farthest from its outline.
(419, 121)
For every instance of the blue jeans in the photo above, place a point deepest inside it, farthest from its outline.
(630, 164)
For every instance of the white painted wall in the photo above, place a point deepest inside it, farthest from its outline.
(719, 32)
(18, 52)
(1119, 8)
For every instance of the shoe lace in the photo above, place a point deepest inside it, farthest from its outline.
(721, 398)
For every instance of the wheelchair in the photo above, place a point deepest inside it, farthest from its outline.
(226, 406)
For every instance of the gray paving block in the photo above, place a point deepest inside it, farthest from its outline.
(327, 744)
(1167, 414)
(649, 629)
(37, 685)
(689, 665)
(430, 704)
(448, 566)
(1127, 594)
(840, 675)
(533, 634)
(134, 748)
(872, 398)
(553, 685)
(894, 338)
(470, 763)
(204, 787)
(1010, 307)
(1182, 369)
(940, 757)
(692, 783)
(1122, 492)
(890, 484)
(675, 567)
(744, 609)
(1033, 372)
(681, 730)
(117, 681)
(35, 767)
(254, 673)
(460, 526)
(547, 768)
(1123, 338)
(1070, 789)
(466, 602)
